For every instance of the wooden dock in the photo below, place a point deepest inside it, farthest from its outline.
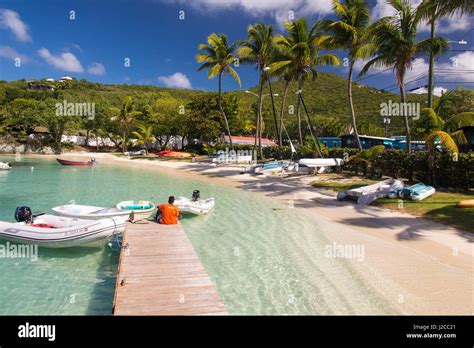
(161, 274)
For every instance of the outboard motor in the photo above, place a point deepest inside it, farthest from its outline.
(196, 195)
(24, 214)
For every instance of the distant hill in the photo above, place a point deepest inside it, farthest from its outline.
(325, 96)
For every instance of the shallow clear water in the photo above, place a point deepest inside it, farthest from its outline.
(264, 257)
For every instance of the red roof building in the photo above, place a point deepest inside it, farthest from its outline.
(248, 141)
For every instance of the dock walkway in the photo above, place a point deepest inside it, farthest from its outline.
(160, 273)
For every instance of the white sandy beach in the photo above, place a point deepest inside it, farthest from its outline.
(419, 266)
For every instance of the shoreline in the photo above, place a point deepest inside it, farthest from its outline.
(413, 263)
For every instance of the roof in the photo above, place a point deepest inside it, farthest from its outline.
(249, 140)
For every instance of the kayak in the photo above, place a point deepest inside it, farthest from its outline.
(367, 194)
(89, 212)
(468, 203)
(52, 231)
(141, 209)
(270, 168)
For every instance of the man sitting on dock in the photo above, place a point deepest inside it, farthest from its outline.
(167, 214)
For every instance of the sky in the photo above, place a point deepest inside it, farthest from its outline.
(154, 42)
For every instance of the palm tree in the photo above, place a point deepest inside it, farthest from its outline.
(286, 72)
(394, 40)
(258, 49)
(349, 32)
(217, 56)
(432, 11)
(303, 47)
(144, 136)
(125, 117)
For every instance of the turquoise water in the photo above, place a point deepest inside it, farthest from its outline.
(263, 257)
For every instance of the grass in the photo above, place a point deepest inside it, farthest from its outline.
(440, 207)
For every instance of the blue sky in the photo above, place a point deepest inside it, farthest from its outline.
(161, 47)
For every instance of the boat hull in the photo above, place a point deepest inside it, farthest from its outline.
(74, 163)
(201, 207)
(321, 162)
(138, 213)
(62, 232)
(89, 212)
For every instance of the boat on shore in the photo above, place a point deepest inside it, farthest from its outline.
(89, 212)
(270, 168)
(5, 166)
(321, 162)
(51, 231)
(367, 194)
(417, 192)
(138, 210)
(64, 162)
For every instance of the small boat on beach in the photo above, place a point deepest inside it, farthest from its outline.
(321, 162)
(270, 168)
(52, 231)
(417, 192)
(135, 153)
(5, 166)
(367, 194)
(141, 209)
(467, 203)
(89, 212)
(174, 154)
(195, 205)
(76, 163)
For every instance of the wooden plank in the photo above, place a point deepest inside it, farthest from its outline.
(161, 274)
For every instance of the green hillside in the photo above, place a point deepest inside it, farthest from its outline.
(325, 97)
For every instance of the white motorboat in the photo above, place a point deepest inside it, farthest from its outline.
(52, 231)
(141, 209)
(195, 205)
(199, 207)
(89, 212)
(5, 166)
(321, 162)
(367, 194)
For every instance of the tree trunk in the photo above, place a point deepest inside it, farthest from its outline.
(219, 102)
(87, 137)
(405, 116)
(97, 139)
(431, 68)
(298, 112)
(287, 84)
(351, 107)
(124, 141)
(259, 115)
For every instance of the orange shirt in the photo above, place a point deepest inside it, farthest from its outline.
(169, 214)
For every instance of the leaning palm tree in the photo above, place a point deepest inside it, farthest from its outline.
(217, 56)
(303, 45)
(395, 46)
(349, 32)
(257, 49)
(125, 117)
(144, 136)
(431, 11)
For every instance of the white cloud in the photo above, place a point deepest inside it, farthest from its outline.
(96, 69)
(177, 80)
(65, 61)
(77, 47)
(10, 20)
(455, 70)
(278, 9)
(10, 53)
